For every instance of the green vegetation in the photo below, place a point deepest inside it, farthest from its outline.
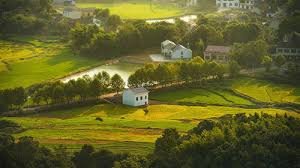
(205, 96)
(29, 60)
(140, 9)
(267, 91)
(121, 125)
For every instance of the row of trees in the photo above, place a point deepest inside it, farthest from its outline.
(80, 89)
(195, 70)
(257, 140)
(59, 92)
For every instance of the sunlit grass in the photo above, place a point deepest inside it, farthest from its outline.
(208, 96)
(30, 60)
(121, 124)
(267, 91)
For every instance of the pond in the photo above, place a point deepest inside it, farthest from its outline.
(187, 18)
(123, 69)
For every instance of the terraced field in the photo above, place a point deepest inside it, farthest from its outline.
(123, 128)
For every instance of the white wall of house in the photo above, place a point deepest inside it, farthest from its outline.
(248, 4)
(228, 3)
(75, 14)
(132, 99)
(183, 53)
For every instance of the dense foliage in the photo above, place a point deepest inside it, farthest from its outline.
(242, 141)
(93, 41)
(28, 17)
(239, 141)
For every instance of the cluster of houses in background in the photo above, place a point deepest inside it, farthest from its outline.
(71, 11)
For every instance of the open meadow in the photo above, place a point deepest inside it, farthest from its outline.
(122, 129)
(28, 60)
(137, 9)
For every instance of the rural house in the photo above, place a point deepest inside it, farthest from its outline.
(289, 47)
(135, 97)
(217, 53)
(170, 49)
(241, 4)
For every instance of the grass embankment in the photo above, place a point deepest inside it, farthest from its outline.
(123, 129)
(205, 96)
(29, 60)
(260, 90)
(137, 9)
(267, 91)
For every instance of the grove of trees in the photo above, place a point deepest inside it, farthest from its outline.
(29, 17)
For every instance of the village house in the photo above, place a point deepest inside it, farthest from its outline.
(289, 47)
(217, 53)
(173, 51)
(246, 4)
(73, 12)
(135, 97)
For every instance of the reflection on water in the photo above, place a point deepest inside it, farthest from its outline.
(123, 69)
(186, 18)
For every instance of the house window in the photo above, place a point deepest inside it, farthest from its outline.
(146, 97)
(141, 98)
(298, 51)
(230, 4)
(236, 4)
(279, 50)
(286, 50)
(181, 52)
(137, 99)
(293, 50)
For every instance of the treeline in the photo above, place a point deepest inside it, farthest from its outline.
(195, 70)
(242, 140)
(28, 17)
(80, 89)
(59, 92)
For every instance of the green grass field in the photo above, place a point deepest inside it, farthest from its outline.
(207, 96)
(123, 129)
(29, 60)
(135, 9)
(267, 91)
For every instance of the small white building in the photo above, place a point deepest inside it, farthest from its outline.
(72, 13)
(135, 97)
(170, 49)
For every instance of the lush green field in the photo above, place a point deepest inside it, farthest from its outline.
(29, 60)
(137, 9)
(207, 96)
(267, 91)
(123, 128)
